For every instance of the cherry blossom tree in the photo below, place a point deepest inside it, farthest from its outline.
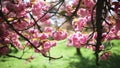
(93, 22)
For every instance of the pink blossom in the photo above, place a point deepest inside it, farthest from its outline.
(104, 35)
(79, 24)
(56, 35)
(43, 36)
(44, 18)
(75, 3)
(77, 40)
(118, 34)
(63, 35)
(105, 55)
(17, 44)
(101, 47)
(46, 47)
(83, 39)
(17, 8)
(32, 31)
(4, 31)
(117, 6)
(6, 40)
(117, 24)
(35, 42)
(37, 7)
(4, 10)
(91, 47)
(20, 25)
(59, 35)
(10, 6)
(82, 12)
(95, 35)
(48, 29)
(20, 7)
(28, 4)
(46, 8)
(36, 12)
(89, 3)
(69, 10)
(47, 22)
(112, 34)
(53, 43)
(4, 50)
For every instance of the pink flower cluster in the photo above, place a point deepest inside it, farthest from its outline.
(69, 10)
(89, 3)
(14, 39)
(46, 46)
(21, 25)
(59, 35)
(4, 50)
(79, 23)
(42, 40)
(48, 29)
(114, 33)
(7, 37)
(18, 9)
(105, 55)
(38, 40)
(77, 40)
(117, 27)
(4, 32)
(38, 10)
(92, 47)
(82, 12)
(117, 6)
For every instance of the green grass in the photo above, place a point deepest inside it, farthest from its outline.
(69, 60)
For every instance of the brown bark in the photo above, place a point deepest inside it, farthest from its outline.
(99, 27)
